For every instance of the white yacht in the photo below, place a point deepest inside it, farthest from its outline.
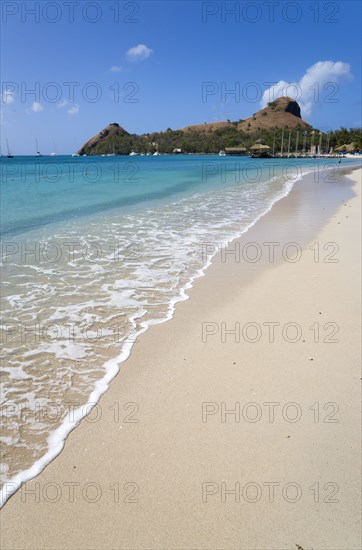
(53, 153)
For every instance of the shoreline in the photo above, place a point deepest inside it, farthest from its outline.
(200, 293)
(112, 366)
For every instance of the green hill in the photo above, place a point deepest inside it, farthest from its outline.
(266, 125)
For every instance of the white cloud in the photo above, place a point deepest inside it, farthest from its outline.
(319, 84)
(73, 110)
(62, 104)
(8, 97)
(37, 107)
(115, 69)
(139, 53)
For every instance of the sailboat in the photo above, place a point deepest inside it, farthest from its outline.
(37, 152)
(10, 155)
(113, 154)
(156, 153)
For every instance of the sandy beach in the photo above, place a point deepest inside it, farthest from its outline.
(237, 423)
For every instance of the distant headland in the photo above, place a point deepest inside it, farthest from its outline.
(268, 128)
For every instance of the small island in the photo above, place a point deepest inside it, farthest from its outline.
(276, 130)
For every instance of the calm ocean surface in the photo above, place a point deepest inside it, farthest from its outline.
(94, 250)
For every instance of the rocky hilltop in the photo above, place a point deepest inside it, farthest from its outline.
(105, 137)
(284, 112)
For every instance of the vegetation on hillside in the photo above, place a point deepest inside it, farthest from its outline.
(213, 141)
(281, 117)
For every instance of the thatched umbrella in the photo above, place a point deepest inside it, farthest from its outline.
(259, 147)
(345, 147)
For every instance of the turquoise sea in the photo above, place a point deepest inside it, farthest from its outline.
(94, 251)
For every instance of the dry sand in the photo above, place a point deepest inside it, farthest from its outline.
(171, 480)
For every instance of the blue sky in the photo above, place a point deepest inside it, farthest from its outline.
(173, 64)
